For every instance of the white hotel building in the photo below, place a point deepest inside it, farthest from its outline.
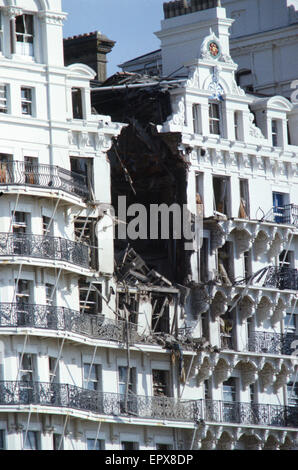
(211, 362)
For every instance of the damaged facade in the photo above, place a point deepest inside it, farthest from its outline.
(109, 342)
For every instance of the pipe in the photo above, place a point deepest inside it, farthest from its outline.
(137, 85)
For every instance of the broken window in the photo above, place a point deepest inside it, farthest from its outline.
(214, 118)
(226, 330)
(24, 35)
(160, 314)
(205, 325)
(90, 299)
(161, 383)
(77, 103)
(31, 170)
(23, 294)
(229, 392)
(84, 230)
(53, 369)
(244, 199)
(127, 391)
(27, 376)
(226, 263)
(203, 261)
(221, 194)
(130, 301)
(247, 264)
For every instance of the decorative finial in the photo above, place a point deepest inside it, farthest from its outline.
(218, 3)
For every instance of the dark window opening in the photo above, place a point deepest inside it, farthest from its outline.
(214, 118)
(221, 192)
(161, 383)
(90, 298)
(24, 28)
(77, 103)
(225, 263)
(160, 314)
(244, 199)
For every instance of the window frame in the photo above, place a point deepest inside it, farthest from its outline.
(27, 102)
(212, 119)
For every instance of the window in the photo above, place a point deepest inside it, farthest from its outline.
(58, 443)
(26, 378)
(207, 390)
(30, 440)
(203, 261)
(292, 394)
(279, 209)
(221, 195)
(90, 299)
(214, 118)
(31, 170)
(252, 393)
(77, 104)
(196, 118)
(92, 377)
(3, 99)
(97, 444)
(244, 199)
(49, 294)
(238, 125)
(2, 439)
(290, 324)
(127, 403)
(129, 445)
(274, 133)
(161, 383)
(164, 447)
(160, 314)
(229, 390)
(53, 369)
(26, 101)
(47, 229)
(24, 28)
(20, 222)
(26, 369)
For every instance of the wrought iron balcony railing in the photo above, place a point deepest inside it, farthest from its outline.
(272, 343)
(248, 413)
(46, 247)
(63, 319)
(70, 396)
(43, 176)
(287, 214)
(276, 277)
(282, 278)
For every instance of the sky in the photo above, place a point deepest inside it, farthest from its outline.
(131, 23)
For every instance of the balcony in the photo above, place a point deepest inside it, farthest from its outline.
(282, 278)
(14, 315)
(286, 214)
(248, 413)
(271, 343)
(276, 277)
(43, 176)
(70, 396)
(44, 247)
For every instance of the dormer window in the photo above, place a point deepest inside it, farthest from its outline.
(214, 118)
(24, 30)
